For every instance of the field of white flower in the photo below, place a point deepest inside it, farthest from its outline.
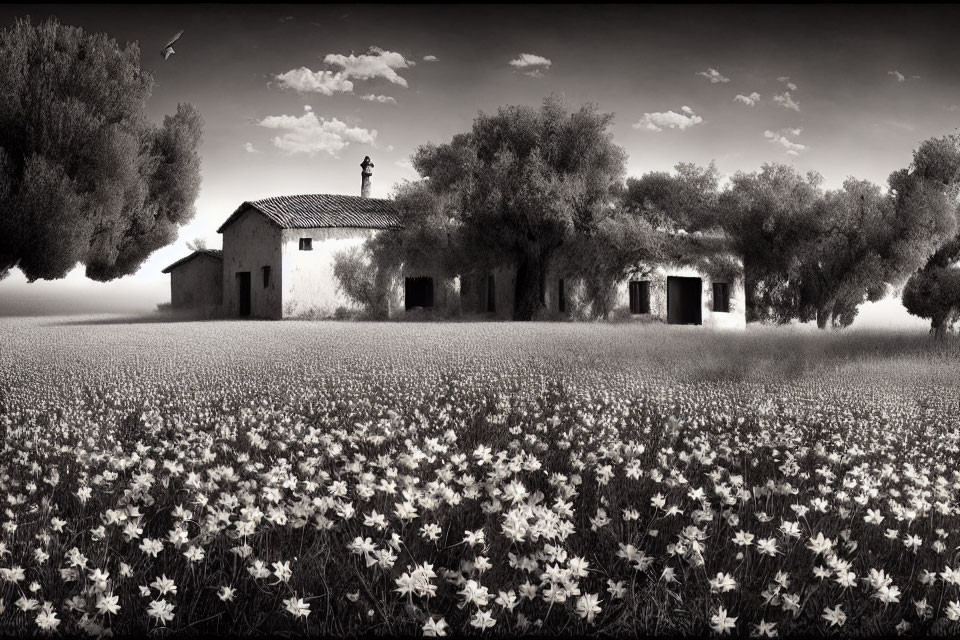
(305, 478)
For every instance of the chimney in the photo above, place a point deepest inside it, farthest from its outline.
(366, 173)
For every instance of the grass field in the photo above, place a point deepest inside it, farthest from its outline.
(299, 478)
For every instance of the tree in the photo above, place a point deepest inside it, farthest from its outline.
(934, 291)
(427, 238)
(85, 177)
(358, 277)
(769, 216)
(843, 266)
(623, 245)
(523, 183)
(197, 244)
(684, 200)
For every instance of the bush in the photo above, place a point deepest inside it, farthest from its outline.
(361, 280)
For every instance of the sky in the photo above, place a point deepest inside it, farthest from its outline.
(293, 97)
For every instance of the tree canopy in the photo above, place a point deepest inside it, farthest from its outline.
(523, 183)
(543, 190)
(85, 177)
(934, 291)
(810, 254)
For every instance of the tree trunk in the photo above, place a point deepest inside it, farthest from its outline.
(938, 328)
(823, 318)
(750, 297)
(530, 289)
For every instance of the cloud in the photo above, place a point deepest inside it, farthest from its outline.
(531, 64)
(786, 101)
(381, 99)
(430, 58)
(781, 138)
(713, 76)
(900, 77)
(310, 134)
(376, 63)
(405, 163)
(750, 100)
(304, 80)
(659, 121)
(784, 79)
(249, 148)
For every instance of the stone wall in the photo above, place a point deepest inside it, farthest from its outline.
(736, 318)
(250, 243)
(197, 283)
(309, 286)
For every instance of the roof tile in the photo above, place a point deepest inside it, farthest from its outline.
(323, 210)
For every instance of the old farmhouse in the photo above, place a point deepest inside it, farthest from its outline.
(279, 253)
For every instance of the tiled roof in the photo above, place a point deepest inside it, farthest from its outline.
(322, 210)
(212, 253)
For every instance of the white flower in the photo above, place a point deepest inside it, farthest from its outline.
(282, 571)
(723, 583)
(473, 593)
(108, 604)
(482, 620)
(835, 616)
(588, 606)
(161, 610)
(164, 585)
(435, 628)
(297, 607)
(722, 623)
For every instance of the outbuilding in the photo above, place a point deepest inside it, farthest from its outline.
(196, 281)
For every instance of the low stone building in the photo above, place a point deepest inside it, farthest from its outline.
(279, 254)
(671, 292)
(196, 281)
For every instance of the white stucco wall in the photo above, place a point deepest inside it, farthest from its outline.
(736, 318)
(309, 287)
(250, 243)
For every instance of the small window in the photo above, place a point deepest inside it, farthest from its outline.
(561, 296)
(721, 297)
(640, 297)
(266, 277)
(306, 244)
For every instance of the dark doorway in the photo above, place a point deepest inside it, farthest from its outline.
(640, 297)
(491, 294)
(684, 304)
(561, 296)
(243, 293)
(418, 292)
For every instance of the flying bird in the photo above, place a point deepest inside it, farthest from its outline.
(168, 51)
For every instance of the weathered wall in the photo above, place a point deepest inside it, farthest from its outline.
(736, 318)
(447, 299)
(576, 301)
(474, 301)
(250, 243)
(197, 283)
(309, 287)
